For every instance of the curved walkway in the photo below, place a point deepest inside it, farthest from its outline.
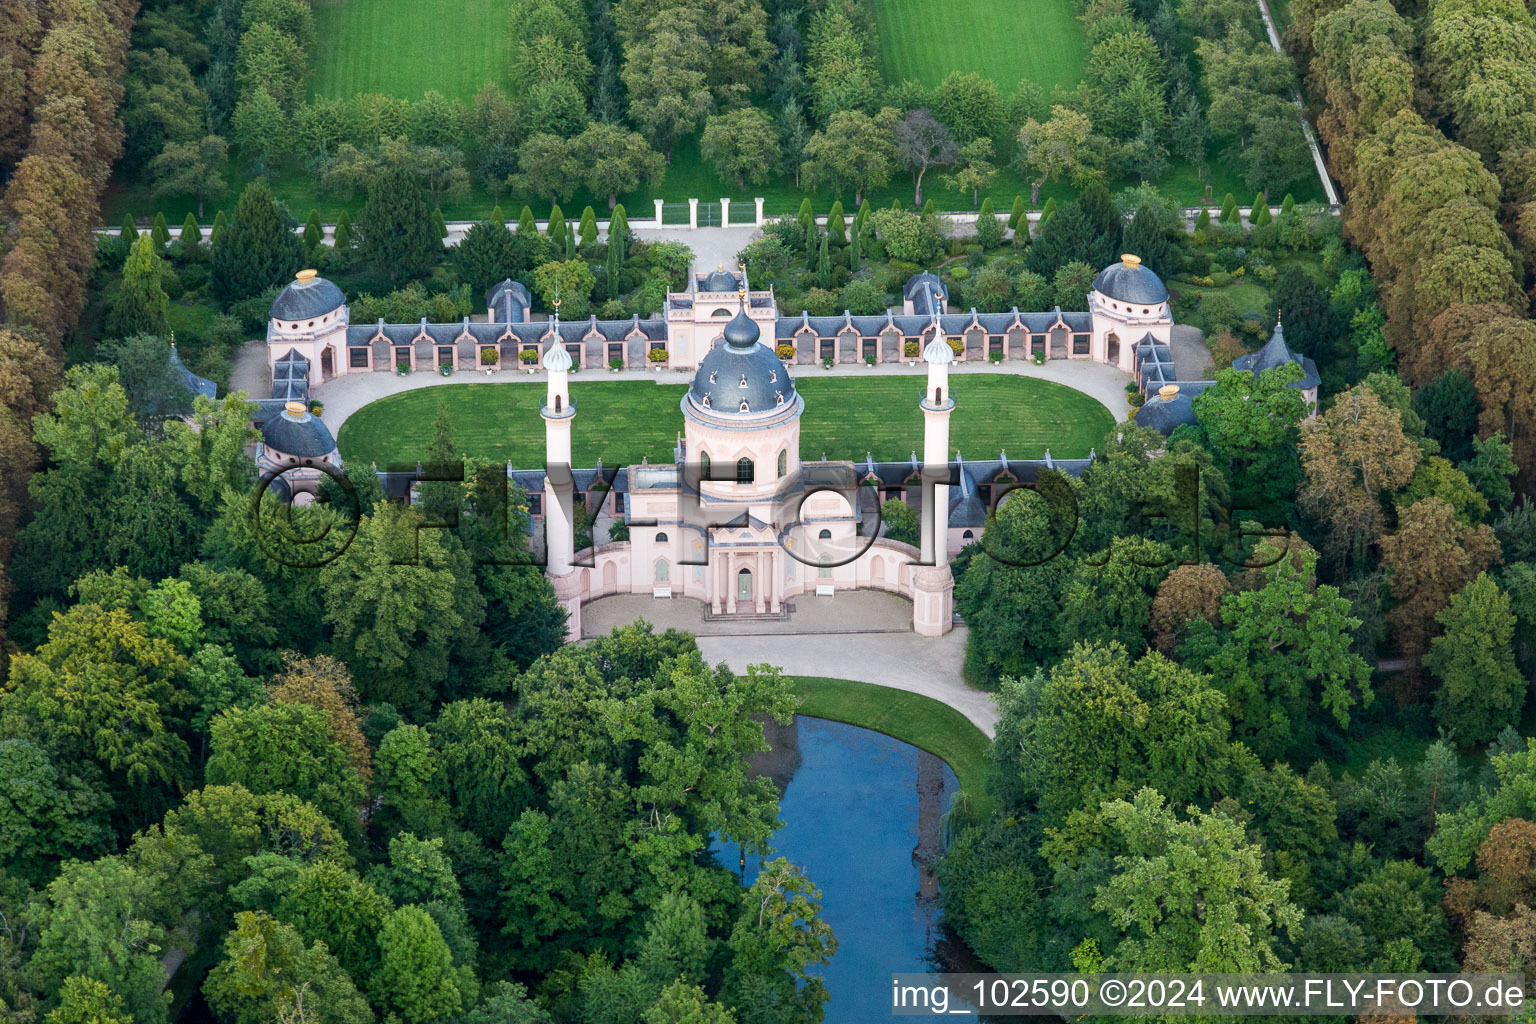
(862, 635)
(344, 395)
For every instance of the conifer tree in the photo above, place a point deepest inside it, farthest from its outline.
(314, 231)
(837, 226)
(1017, 213)
(896, 203)
(928, 208)
(1288, 204)
(1047, 212)
(807, 219)
(988, 231)
(160, 232)
(855, 247)
(439, 225)
(1229, 209)
(140, 305)
(570, 242)
(258, 251)
(395, 231)
(220, 226)
(341, 238)
(588, 230)
(497, 215)
(823, 264)
(191, 237)
(1203, 222)
(555, 232)
(526, 224)
(1259, 214)
(126, 236)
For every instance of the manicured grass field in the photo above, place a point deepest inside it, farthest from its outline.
(909, 717)
(1035, 40)
(622, 422)
(405, 47)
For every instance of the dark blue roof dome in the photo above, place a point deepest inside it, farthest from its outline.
(742, 331)
(307, 295)
(721, 280)
(1129, 281)
(295, 431)
(741, 371)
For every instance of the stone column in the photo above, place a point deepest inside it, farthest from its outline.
(761, 582)
(693, 214)
(759, 218)
(658, 213)
(730, 584)
(725, 211)
(775, 582)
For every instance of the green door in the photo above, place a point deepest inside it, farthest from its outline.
(744, 585)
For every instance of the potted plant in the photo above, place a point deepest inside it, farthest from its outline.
(445, 368)
(402, 368)
(785, 351)
(996, 358)
(615, 364)
(826, 363)
(657, 356)
(957, 346)
(489, 357)
(1039, 358)
(869, 361)
(911, 350)
(528, 357)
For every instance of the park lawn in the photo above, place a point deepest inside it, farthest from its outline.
(910, 717)
(1034, 40)
(622, 422)
(406, 47)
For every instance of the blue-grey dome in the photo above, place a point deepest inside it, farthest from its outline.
(721, 280)
(1129, 281)
(741, 371)
(296, 432)
(741, 331)
(1167, 410)
(307, 295)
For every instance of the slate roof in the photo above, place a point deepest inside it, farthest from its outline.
(741, 371)
(306, 297)
(301, 434)
(1276, 353)
(290, 378)
(193, 383)
(1130, 281)
(1165, 415)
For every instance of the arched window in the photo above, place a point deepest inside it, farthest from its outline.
(704, 457)
(661, 538)
(938, 396)
(824, 535)
(783, 462)
(745, 471)
(663, 571)
(967, 535)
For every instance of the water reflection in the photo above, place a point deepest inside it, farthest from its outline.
(863, 816)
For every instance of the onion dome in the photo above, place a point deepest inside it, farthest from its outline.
(938, 350)
(308, 295)
(556, 358)
(1129, 281)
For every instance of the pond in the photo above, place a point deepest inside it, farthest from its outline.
(863, 816)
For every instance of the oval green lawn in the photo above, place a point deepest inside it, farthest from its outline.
(622, 422)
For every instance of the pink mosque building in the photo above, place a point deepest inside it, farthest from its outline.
(738, 520)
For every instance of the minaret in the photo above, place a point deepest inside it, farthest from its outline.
(933, 586)
(937, 403)
(559, 485)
